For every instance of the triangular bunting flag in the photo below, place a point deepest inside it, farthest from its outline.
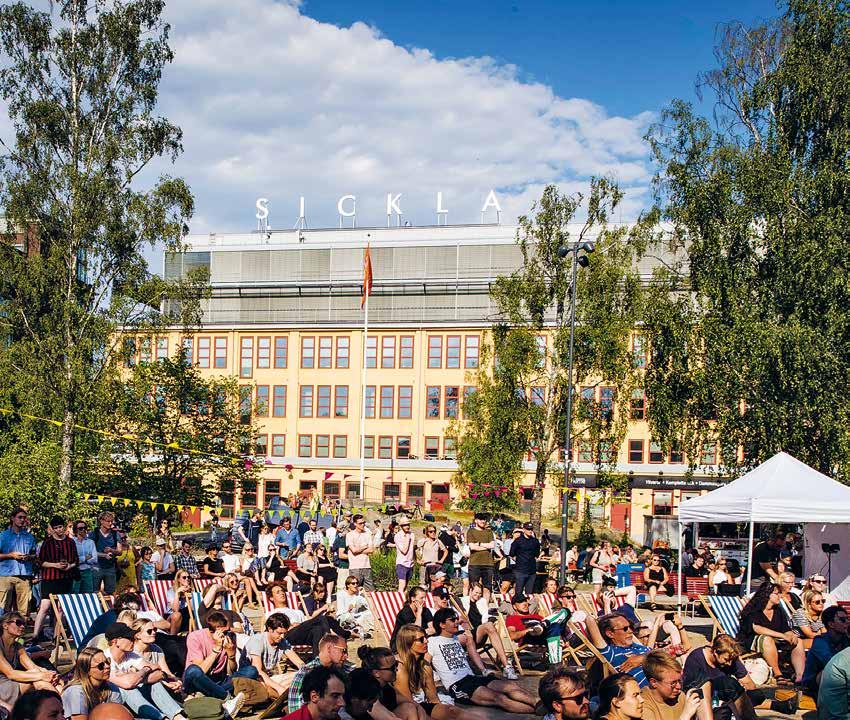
(328, 475)
(346, 476)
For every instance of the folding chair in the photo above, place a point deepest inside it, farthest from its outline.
(695, 588)
(201, 584)
(545, 603)
(385, 607)
(725, 613)
(157, 592)
(78, 611)
(294, 600)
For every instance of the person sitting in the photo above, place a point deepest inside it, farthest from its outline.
(216, 596)
(826, 645)
(266, 651)
(833, 701)
(817, 582)
(211, 566)
(307, 569)
(302, 630)
(184, 560)
(163, 560)
(612, 635)
(721, 581)
(361, 694)
(413, 612)
(249, 573)
(178, 599)
(18, 671)
(287, 539)
(606, 599)
(451, 663)
(327, 571)
(656, 577)
(414, 681)
(352, 610)
(382, 664)
(620, 698)
(332, 654)
(677, 642)
(321, 696)
(806, 620)
(316, 602)
(527, 628)
(766, 630)
(89, 685)
(211, 663)
(41, 704)
(697, 569)
(788, 593)
(564, 695)
(231, 561)
(483, 630)
(145, 647)
(139, 682)
(663, 698)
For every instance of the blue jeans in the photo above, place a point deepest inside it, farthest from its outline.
(151, 702)
(196, 680)
(525, 583)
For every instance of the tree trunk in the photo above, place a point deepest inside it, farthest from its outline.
(536, 513)
(66, 460)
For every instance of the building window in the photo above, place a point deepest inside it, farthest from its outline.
(220, 356)
(606, 402)
(387, 401)
(323, 401)
(677, 457)
(607, 452)
(281, 352)
(246, 357)
(369, 447)
(588, 402)
(188, 351)
(402, 447)
(452, 401)
(585, 452)
(662, 502)
(323, 446)
(203, 352)
(343, 348)
(352, 490)
(416, 493)
(308, 352)
(245, 404)
(331, 489)
(264, 352)
(635, 451)
(271, 490)
(388, 351)
(405, 352)
(261, 449)
(656, 454)
(538, 396)
(449, 448)
(385, 447)
(326, 345)
(467, 393)
(340, 446)
(279, 402)
(708, 456)
(392, 492)
(432, 448)
(341, 401)
(371, 351)
(262, 401)
(305, 403)
(637, 405)
(453, 351)
(305, 446)
(540, 344)
(435, 351)
(161, 348)
(405, 401)
(278, 445)
(145, 350)
(471, 352)
(432, 402)
(639, 351)
(370, 401)
(130, 358)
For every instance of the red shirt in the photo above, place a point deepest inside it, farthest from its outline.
(516, 622)
(301, 713)
(54, 551)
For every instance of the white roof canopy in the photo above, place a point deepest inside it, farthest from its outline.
(780, 490)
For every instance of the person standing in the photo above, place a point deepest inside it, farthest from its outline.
(163, 560)
(57, 557)
(108, 547)
(432, 555)
(481, 542)
(17, 551)
(405, 554)
(359, 547)
(525, 550)
(87, 554)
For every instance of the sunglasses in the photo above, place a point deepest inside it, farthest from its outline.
(101, 666)
(18, 622)
(391, 668)
(420, 638)
(577, 699)
(569, 597)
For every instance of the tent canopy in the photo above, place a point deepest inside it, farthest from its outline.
(780, 490)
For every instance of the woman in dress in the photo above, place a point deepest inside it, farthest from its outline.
(655, 576)
(89, 686)
(18, 672)
(327, 571)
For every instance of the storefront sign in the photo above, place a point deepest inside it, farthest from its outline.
(656, 482)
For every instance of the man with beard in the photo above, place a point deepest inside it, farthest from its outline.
(564, 694)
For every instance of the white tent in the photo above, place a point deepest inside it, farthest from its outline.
(780, 490)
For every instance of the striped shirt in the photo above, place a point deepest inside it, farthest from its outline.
(54, 551)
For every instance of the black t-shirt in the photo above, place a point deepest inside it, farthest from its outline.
(525, 551)
(698, 671)
(693, 572)
(406, 617)
(212, 565)
(764, 552)
(778, 623)
(450, 541)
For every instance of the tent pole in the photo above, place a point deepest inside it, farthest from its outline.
(681, 550)
(750, 558)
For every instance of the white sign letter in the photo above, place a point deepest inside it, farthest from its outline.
(342, 211)
(491, 202)
(262, 209)
(392, 204)
(440, 208)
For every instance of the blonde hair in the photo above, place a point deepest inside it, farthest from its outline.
(727, 645)
(657, 661)
(808, 596)
(412, 663)
(128, 617)
(82, 677)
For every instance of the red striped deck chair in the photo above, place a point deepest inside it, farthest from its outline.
(157, 592)
(597, 606)
(695, 588)
(294, 600)
(385, 606)
(201, 584)
(545, 603)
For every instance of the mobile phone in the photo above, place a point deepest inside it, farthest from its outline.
(698, 692)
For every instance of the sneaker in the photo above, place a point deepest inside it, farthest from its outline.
(510, 672)
(536, 630)
(234, 705)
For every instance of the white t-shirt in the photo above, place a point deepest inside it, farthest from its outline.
(131, 662)
(295, 616)
(348, 603)
(231, 562)
(167, 562)
(449, 659)
(264, 542)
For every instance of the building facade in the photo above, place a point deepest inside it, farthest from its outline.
(284, 316)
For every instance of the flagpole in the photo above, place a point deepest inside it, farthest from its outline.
(363, 400)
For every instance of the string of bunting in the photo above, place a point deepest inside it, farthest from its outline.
(127, 502)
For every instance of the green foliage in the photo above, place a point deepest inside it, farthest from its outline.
(586, 534)
(80, 84)
(749, 330)
(383, 570)
(203, 443)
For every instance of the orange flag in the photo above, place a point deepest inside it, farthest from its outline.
(367, 276)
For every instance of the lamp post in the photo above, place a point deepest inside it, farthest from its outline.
(573, 249)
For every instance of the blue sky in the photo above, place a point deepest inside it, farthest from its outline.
(321, 98)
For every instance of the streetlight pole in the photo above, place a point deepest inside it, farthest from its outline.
(563, 251)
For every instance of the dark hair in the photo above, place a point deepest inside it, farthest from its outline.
(549, 689)
(186, 541)
(441, 616)
(17, 510)
(30, 703)
(357, 517)
(276, 621)
(126, 598)
(412, 590)
(216, 619)
(212, 546)
(146, 549)
(605, 623)
(362, 685)
(758, 601)
(317, 681)
(828, 616)
(370, 657)
(612, 688)
(56, 521)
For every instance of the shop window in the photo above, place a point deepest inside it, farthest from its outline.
(352, 490)
(392, 492)
(416, 493)
(331, 489)
(662, 503)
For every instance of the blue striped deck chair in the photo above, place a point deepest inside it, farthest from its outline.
(227, 604)
(78, 612)
(725, 611)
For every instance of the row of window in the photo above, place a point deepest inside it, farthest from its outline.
(642, 451)
(384, 447)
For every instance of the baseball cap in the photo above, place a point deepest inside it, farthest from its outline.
(404, 521)
(528, 526)
(160, 541)
(442, 592)
(439, 574)
(119, 630)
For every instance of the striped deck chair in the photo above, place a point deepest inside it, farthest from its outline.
(294, 600)
(588, 649)
(725, 612)
(695, 588)
(201, 584)
(226, 603)
(157, 592)
(598, 610)
(545, 601)
(385, 606)
(77, 611)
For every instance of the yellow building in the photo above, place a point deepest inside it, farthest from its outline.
(284, 316)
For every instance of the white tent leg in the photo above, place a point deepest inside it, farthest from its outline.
(679, 585)
(750, 559)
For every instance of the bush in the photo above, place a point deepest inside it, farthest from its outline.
(383, 570)
(586, 534)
